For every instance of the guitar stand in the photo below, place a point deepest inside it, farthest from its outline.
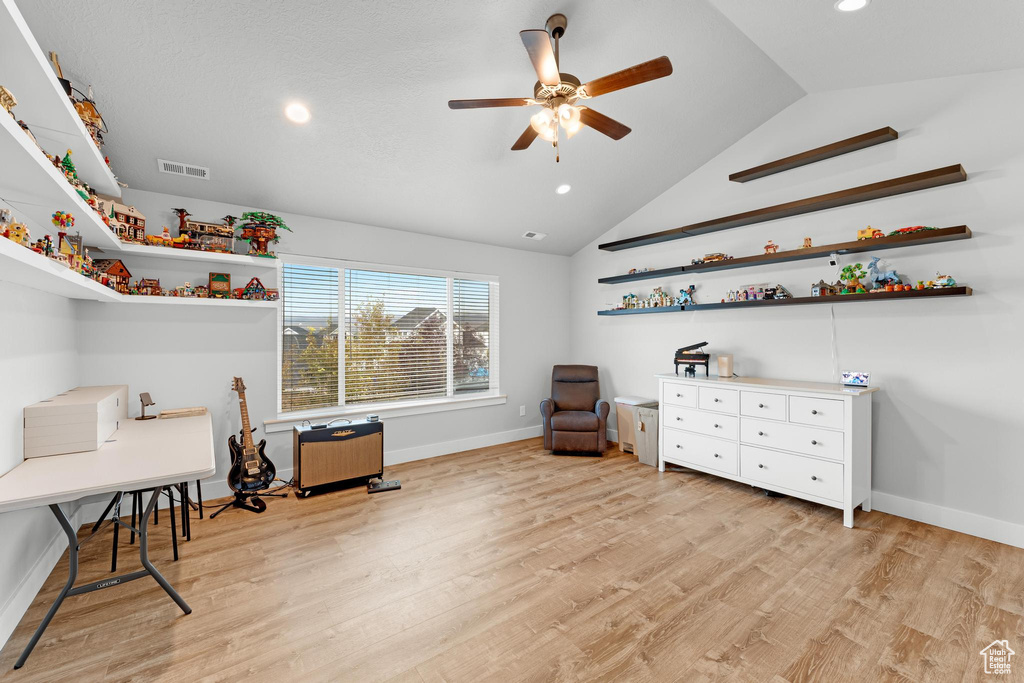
(252, 502)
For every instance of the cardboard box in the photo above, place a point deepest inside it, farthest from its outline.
(77, 420)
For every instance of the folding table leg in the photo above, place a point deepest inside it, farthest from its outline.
(96, 526)
(199, 495)
(144, 555)
(72, 575)
(170, 513)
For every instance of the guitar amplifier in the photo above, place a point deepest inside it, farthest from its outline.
(335, 453)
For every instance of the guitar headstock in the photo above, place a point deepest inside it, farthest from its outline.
(237, 385)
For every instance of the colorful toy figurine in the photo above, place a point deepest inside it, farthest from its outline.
(941, 281)
(686, 296)
(115, 273)
(259, 229)
(852, 275)
(7, 100)
(807, 243)
(62, 220)
(869, 233)
(912, 229)
(878, 278)
(771, 247)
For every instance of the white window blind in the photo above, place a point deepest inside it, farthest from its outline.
(401, 336)
(309, 338)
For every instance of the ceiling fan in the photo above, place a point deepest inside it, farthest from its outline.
(560, 93)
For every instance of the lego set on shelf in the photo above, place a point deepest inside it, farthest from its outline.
(70, 252)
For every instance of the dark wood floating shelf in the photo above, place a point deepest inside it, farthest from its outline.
(960, 232)
(875, 137)
(801, 300)
(886, 188)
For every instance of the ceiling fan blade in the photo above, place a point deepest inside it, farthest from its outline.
(496, 102)
(538, 45)
(603, 124)
(634, 75)
(524, 141)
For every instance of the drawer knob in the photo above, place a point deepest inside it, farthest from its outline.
(717, 455)
(718, 400)
(717, 427)
(814, 412)
(679, 395)
(814, 442)
(760, 466)
(760, 405)
(760, 433)
(814, 478)
(679, 419)
(679, 445)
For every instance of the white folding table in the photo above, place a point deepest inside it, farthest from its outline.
(140, 456)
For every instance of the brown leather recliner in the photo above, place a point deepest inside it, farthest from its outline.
(575, 417)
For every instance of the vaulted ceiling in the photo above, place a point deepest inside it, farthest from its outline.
(206, 82)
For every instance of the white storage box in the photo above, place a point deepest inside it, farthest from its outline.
(77, 420)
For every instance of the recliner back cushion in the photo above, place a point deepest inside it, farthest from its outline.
(575, 387)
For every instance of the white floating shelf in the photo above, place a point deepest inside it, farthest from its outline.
(27, 268)
(24, 267)
(185, 301)
(34, 189)
(43, 105)
(192, 256)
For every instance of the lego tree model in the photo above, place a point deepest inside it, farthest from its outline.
(259, 229)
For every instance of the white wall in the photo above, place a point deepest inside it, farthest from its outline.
(38, 358)
(948, 421)
(187, 355)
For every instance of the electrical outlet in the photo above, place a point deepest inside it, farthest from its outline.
(522, 411)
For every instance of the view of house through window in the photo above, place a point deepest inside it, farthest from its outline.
(402, 336)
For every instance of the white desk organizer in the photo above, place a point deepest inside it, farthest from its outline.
(77, 420)
(802, 439)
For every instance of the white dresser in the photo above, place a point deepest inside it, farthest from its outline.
(803, 439)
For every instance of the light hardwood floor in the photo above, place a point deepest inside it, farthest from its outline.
(508, 564)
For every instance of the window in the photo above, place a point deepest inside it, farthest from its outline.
(357, 335)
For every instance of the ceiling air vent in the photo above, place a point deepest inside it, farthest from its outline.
(531, 235)
(187, 170)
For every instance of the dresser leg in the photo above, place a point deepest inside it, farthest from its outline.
(661, 465)
(848, 517)
(866, 505)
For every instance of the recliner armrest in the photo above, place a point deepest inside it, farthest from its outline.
(602, 408)
(547, 408)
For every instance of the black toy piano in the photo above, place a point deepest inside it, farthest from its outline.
(692, 356)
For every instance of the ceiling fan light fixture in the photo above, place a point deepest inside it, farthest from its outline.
(851, 5)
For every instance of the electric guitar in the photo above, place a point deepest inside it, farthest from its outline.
(251, 470)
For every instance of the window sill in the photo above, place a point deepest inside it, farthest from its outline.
(384, 410)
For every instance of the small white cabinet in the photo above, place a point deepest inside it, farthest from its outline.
(803, 439)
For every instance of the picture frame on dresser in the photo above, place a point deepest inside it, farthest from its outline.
(807, 440)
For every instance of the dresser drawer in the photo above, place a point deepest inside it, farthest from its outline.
(693, 449)
(711, 424)
(759, 404)
(793, 472)
(790, 437)
(680, 395)
(719, 400)
(819, 412)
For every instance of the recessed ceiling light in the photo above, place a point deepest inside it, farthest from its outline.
(562, 189)
(533, 235)
(298, 113)
(851, 5)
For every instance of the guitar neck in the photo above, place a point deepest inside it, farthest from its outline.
(246, 429)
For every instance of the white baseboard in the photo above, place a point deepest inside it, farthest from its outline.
(433, 450)
(956, 520)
